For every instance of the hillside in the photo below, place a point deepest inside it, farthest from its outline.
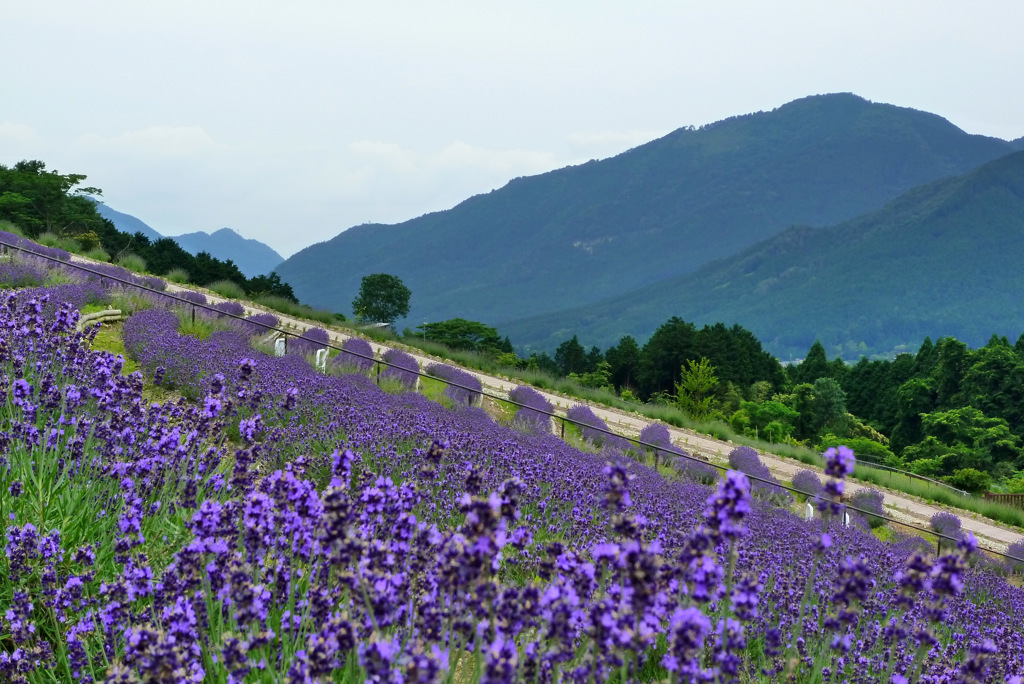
(252, 257)
(126, 223)
(585, 233)
(942, 259)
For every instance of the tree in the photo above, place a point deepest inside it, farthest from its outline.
(623, 359)
(571, 357)
(458, 333)
(695, 387)
(382, 298)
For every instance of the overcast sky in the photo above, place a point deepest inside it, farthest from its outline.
(291, 121)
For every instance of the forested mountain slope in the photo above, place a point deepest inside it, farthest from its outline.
(584, 233)
(943, 259)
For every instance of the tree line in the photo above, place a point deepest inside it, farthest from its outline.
(947, 411)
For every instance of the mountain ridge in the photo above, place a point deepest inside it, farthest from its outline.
(252, 257)
(662, 209)
(838, 283)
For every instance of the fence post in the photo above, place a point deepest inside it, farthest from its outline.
(378, 373)
(193, 314)
(563, 427)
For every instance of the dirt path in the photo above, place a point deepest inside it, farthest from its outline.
(901, 506)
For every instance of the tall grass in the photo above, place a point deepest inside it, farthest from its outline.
(10, 227)
(227, 288)
(290, 308)
(133, 262)
(49, 239)
(178, 275)
(98, 254)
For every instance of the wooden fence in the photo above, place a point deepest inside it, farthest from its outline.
(1015, 500)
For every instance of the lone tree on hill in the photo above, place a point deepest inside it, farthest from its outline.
(382, 298)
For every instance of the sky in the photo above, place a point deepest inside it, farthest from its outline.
(292, 121)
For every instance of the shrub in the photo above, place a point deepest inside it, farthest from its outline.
(193, 296)
(1016, 553)
(807, 482)
(970, 480)
(98, 254)
(232, 308)
(153, 283)
(468, 391)
(10, 228)
(49, 239)
(697, 471)
(133, 262)
(356, 354)
(658, 435)
(227, 288)
(178, 275)
(308, 342)
(746, 460)
(945, 523)
(870, 500)
(533, 415)
(592, 427)
(251, 326)
(403, 368)
(15, 274)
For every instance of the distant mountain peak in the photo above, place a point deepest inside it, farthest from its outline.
(657, 211)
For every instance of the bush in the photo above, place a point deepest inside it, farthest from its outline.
(591, 427)
(98, 254)
(154, 283)
(231, 308)
(696, 471)
(308, 342)
(227, 288)
(970, 480)
(12, 228)
(49, 239)
(133, 262)
(193, 296)
(1016, 553)
(356, 354)
(403, 368)
(15, 274)
(870, 500)
(746, 460)
(807, 482)
(251, 327)
(945, 523)
(460, 377)
(178, 275)
(533, 413)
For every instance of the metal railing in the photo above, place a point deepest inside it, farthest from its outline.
(911, 475)
(940, 537)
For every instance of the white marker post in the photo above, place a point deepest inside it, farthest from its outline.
(279, 345)
(808, 512)
(321, 360)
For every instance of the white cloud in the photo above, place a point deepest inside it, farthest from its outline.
(169, 142)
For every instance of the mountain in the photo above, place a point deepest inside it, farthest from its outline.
(584, 233)
(1018, 143)
(942, 259)
(252, 257)
(126, 223)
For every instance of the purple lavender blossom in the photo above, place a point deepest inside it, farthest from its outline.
(356, 353)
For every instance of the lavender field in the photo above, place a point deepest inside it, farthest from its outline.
(223, 515)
